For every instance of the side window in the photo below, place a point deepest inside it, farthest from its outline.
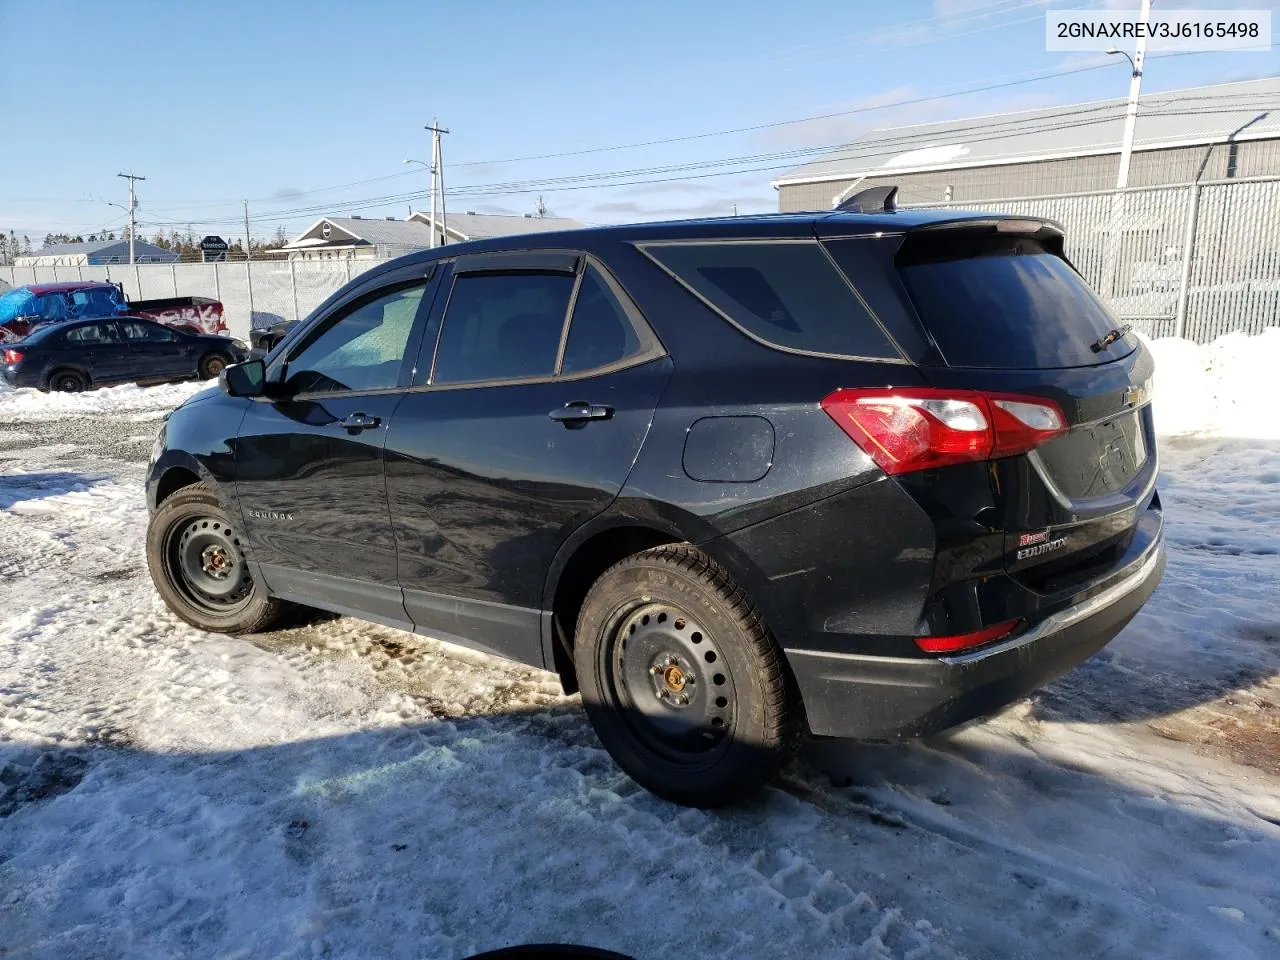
(502, 326)
(599, 333)
(362, 348)
(148, 332)
(94, 333)
(786, 294)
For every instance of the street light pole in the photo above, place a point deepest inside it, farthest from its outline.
(133, 212)
(1135, 90)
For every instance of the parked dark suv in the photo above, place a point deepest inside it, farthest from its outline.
(856, 475)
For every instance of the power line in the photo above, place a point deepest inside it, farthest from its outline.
(1013, 80)
(886, 147)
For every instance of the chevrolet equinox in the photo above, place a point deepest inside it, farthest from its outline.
(863, 475)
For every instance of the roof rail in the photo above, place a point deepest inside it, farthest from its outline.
(871, 200)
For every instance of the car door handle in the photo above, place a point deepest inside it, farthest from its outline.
(359, 421)
(577, 413)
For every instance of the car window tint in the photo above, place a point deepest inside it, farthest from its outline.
(502, 327)
(361, 349)
(599, 333)
(149, 332)
(787, 294)
(1004, 301)
(92, 333)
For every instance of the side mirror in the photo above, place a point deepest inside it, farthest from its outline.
(246, 379)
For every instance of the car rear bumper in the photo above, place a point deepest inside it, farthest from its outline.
(876, 698)
(16, 376)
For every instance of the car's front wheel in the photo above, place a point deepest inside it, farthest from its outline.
(198, 564)
(683, 682)
(212, 364)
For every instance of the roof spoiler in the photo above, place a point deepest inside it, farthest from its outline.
(871, 200)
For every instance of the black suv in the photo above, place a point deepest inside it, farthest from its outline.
(853, 475)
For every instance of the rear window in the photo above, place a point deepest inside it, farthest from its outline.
(786, 294)
(1007, 302)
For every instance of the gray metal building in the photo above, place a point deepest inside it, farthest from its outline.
(95, 253)
(332, 238)
(1220, 132)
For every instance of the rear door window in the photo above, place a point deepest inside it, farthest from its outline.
(94, 333)
(599, 333)
(1007, 302)
(787, 294)
(502, 326)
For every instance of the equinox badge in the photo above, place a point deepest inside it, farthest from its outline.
(270, 515)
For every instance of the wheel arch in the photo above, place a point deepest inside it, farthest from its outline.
(578, 565)
(173, 480)
(177, 470)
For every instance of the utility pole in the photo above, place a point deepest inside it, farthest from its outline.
(247, 247)
(248, 256)
(437, 178)
(133, 212)
(1135, 90)
(541, 208)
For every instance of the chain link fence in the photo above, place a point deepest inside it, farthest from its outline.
(1193, 261)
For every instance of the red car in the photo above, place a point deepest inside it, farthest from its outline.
(24, 308)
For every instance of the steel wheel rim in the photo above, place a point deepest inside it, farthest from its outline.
(671, 683)
(214, 366)
(205, 562)
(68, 383)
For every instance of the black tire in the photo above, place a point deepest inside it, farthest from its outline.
(197, 563)
(693, 634)
(212, 364)
(67, 381)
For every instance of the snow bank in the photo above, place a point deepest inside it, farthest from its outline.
(1224, 388)
(28, 404)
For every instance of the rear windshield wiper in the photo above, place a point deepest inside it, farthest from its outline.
(1105, 341)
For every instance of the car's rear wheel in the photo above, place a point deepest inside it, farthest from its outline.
(197, 560)
(67, 381)
(683, 682)
(213, 364)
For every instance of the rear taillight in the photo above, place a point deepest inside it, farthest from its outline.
(908, 429)
(11, 357)
(965, 641)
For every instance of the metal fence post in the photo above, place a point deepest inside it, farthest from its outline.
(137, 280)
(293, 285)
(217, 281)
(348, 259)
(248, 282)
(1188, 252)
(173, 277)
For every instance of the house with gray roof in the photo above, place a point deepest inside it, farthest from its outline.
(95, 253)
(360, 238)
(1225, 131)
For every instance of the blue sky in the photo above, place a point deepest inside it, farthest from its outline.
(283, 102)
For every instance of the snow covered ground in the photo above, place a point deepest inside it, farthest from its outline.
(339, 789)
